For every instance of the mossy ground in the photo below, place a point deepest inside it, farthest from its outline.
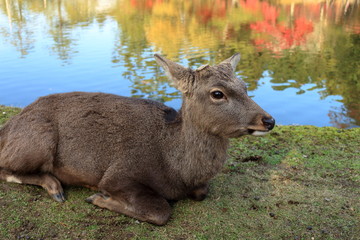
(299, 182)
(7, 112)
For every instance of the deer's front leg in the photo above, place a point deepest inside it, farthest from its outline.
(140, 203)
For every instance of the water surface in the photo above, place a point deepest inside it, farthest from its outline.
(300, 59)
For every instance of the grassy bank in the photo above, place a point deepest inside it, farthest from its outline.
(299, 182)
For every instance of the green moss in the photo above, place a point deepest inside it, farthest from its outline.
(323, 151)
(299, 182)
(6, 113)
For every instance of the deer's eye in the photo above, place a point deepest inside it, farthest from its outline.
(217, 95)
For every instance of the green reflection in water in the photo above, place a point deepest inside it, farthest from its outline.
(295, 43)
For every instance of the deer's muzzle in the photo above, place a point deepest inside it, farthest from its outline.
(269, 123)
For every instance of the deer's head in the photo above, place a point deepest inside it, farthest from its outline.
(216, 101)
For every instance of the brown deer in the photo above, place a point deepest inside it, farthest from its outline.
(137, 153)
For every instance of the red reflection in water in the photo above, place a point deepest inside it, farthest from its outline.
(145, 4)
(206, 11)
(281, 26)
(282, 36)
(285, 37)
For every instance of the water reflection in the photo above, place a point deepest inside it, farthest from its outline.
(307, 46)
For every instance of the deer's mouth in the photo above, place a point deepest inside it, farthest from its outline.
(254, 132)
(243, 131)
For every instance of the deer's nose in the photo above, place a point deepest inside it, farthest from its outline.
(268, 122)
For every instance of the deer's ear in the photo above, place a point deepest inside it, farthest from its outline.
(180, 76)
(233, 60)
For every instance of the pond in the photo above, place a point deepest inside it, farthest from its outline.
(300, 59)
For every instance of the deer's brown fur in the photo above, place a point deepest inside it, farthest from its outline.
(138, 153)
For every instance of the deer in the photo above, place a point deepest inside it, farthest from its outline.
(137, 154)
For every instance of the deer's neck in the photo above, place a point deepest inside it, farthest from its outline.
(199, 156)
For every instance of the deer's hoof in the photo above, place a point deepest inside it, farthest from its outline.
(59, 197)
